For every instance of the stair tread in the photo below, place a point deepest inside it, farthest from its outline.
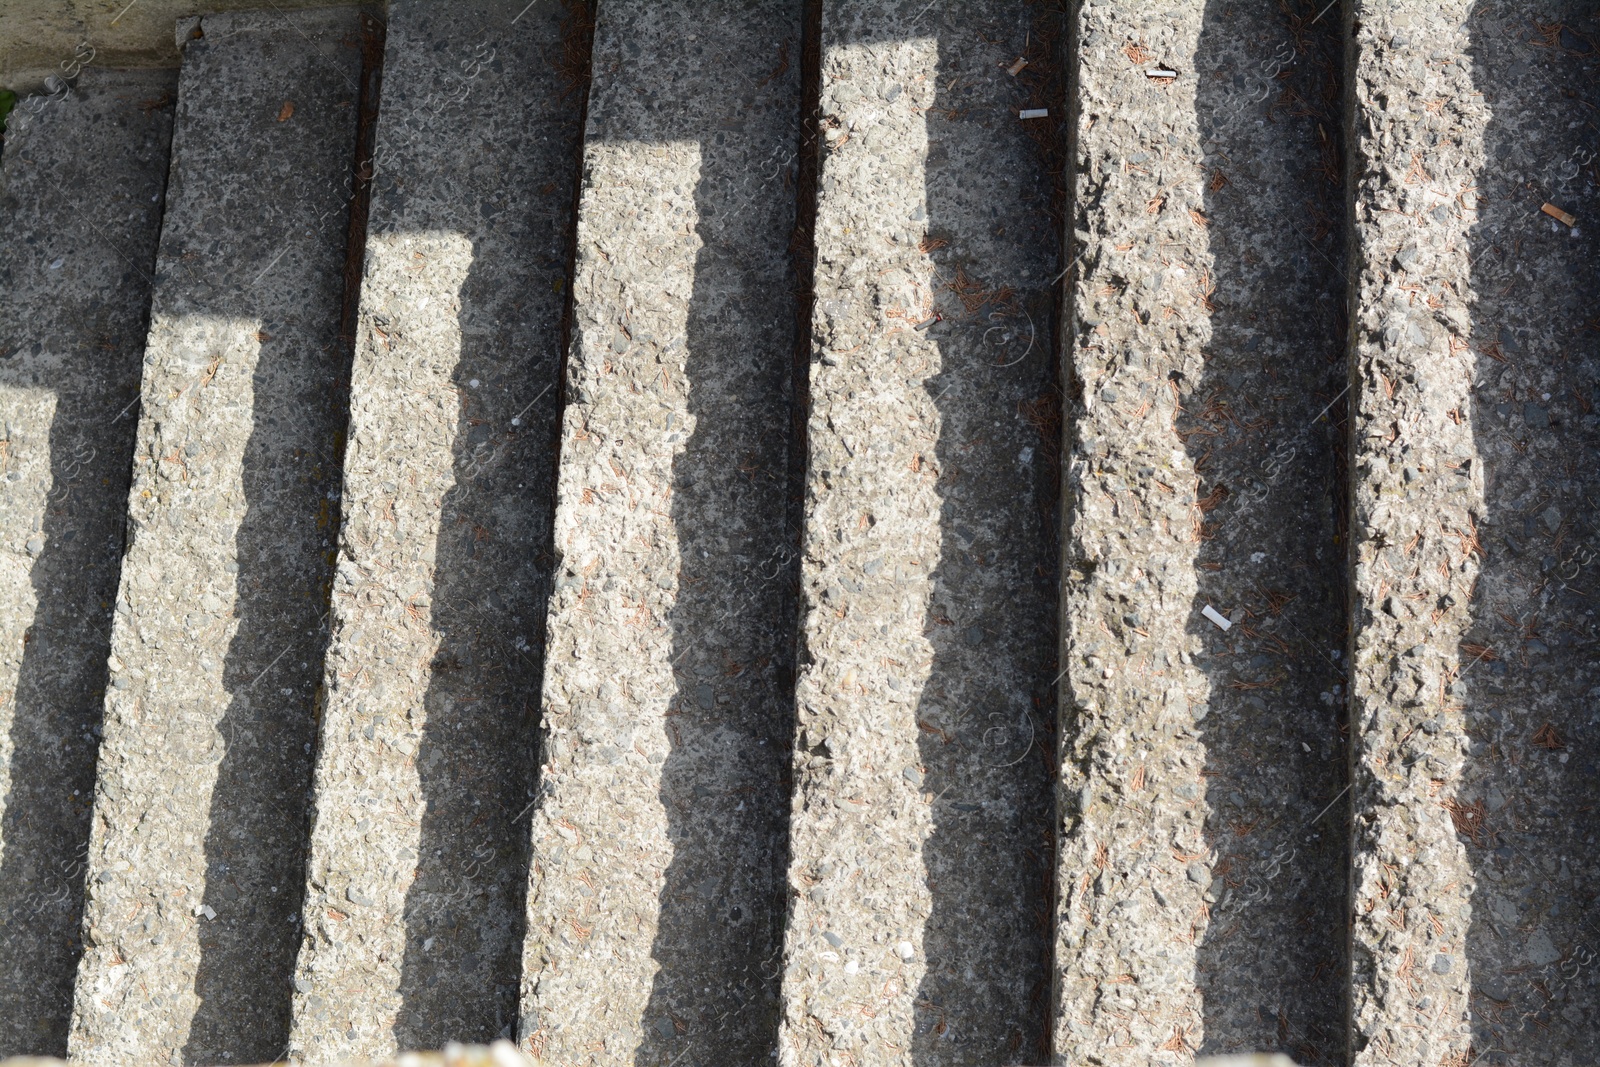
(75, 273)
(196, 855)
(1472, 511)
(919, 833)
(1201, 787)
(1291, 618)
(417, 865)
(654, 905)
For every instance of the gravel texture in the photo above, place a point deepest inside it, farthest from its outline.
(1202, 858)
(418, 867)
(919, 874)
(654, 906)
(1472, 713)
(80, 189)
(196, 854)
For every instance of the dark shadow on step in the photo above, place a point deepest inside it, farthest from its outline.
(725, 783)
(1529, 667)
(55, 721)
(986, 711)
(284, 545)
(1262, 424)
(509, 189)
(56, 711)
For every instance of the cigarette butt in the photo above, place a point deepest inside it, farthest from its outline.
(1560, 216)
(1160, 72)
(1217, 617)
(925, 323)
(1034, 113)
(1016, 68)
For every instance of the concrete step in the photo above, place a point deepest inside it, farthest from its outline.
(1474, 527)
(81, 185)
(499, 1054)
(773, 473)
(197, 851)
(1202, 848)
(418, 865)
(919, 874)
(654, 910)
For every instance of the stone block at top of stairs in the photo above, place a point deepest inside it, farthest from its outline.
(80, 191)
(38, 36)
(418, 866)
(196, 855)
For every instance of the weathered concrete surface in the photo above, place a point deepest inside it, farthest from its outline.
(499, 1054)
(1533, 766)
(37, 36)
(503, 1054)
(1412, 575)
(919, 835)
(1262, 424)
(418, 867)
(80, 189)
(1201, 863)
(1473, 461)
(654, 907)
(196, 854)
(1253, 271)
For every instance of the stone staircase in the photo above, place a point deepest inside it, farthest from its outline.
(827, 532)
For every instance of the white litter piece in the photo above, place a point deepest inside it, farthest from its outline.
(1034, 113)
(1160, 72)
(1217, 617)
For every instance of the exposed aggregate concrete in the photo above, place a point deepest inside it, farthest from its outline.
(919, 829)
(413, 917)
(80, 191)
(1202, 801)
(1201, 859)
(1473, 459)
(654, 904)
(196, 854)
(499, 1054)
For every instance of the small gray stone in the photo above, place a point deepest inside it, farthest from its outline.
(1541, 951)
